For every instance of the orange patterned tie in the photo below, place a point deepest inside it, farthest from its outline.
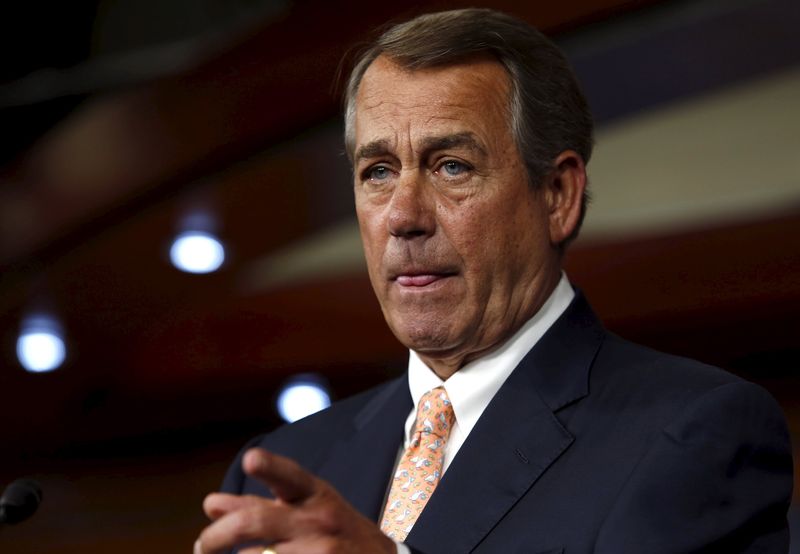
(420, 468)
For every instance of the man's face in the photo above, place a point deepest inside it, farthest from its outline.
(457, 243)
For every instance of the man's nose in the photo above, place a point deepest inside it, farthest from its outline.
(412, 211)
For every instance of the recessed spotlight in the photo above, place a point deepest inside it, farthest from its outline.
(197, 252)
(301, 397)
(40, 345)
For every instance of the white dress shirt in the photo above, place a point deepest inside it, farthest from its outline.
(473, 386)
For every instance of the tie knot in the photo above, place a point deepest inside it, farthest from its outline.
(435, 413)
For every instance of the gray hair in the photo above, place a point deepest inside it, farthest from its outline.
(548, 112)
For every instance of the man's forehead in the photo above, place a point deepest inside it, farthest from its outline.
(389, 80)
(457, 101)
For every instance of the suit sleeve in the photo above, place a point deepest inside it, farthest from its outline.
(717, 479)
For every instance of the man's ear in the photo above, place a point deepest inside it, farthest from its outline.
(564, 189)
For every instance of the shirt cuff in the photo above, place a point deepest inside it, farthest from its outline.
(402, 549)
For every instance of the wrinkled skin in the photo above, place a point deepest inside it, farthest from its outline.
(461, 250)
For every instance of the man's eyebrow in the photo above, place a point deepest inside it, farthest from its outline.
(372, 150)
(457, 140)
(380, 147)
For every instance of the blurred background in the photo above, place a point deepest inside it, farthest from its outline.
(178, 243)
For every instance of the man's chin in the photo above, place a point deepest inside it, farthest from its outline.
(421, 338)
(434, 340)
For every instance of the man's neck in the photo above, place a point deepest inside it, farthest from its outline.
(444, 365)
(527, 334)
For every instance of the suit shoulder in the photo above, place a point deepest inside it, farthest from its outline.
(702, 441)
(647, 381)
(633, 362)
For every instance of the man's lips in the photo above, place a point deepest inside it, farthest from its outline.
(420, 279)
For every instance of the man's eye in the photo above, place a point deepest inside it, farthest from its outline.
(378, 173)
(454, 168)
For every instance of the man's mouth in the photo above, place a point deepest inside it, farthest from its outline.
(421, 279)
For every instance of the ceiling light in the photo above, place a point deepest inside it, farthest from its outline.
(301, 397)
(197, 252)
(40, 345)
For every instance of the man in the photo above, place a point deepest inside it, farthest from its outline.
(522, 425)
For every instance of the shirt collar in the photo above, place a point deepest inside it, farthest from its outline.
(472, 387)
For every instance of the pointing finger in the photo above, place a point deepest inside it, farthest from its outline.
(287, 480)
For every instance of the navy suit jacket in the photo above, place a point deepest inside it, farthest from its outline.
(593, 444)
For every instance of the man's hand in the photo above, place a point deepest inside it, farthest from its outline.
(307, 516)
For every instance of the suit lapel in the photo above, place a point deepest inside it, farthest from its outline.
(360, 465)
(516, 439)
